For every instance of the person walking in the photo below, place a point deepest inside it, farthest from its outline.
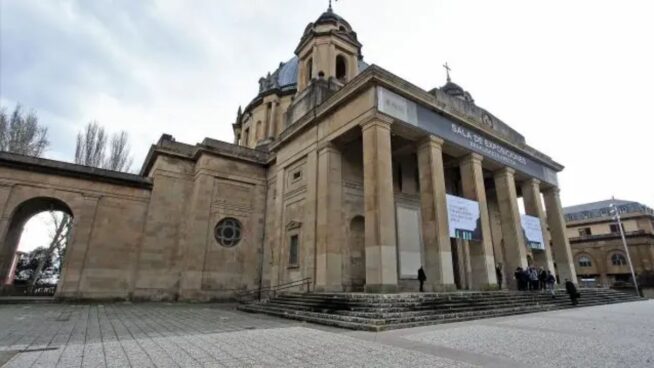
(422, 278)
(571, 289)
(542, 279)
(550, 281)
(533, 278)
(498, 274)
(519, 278)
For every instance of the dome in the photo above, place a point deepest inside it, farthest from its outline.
(285, 77)
(452, 89)
(330, 17)
(457, 91)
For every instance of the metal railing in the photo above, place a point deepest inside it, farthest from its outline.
(265, 293)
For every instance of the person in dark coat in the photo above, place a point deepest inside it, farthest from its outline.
(422, 278)
(519, 278)
(498, 274)
(542, 279)
(571, 289)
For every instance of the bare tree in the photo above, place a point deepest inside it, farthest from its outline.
(119, 158)
(62, 224)
(92, 146)
(22, 133)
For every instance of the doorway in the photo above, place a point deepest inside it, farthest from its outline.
(33, 249)
(357, 253)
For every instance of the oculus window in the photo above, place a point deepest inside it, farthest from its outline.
(228, 232)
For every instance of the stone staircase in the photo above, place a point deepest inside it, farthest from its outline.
(378, 312)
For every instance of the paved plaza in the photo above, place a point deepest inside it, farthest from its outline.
(215, 335)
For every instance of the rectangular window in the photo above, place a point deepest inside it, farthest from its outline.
(297, 175)
(584, 231)
(246, 137)
(615, 228)
(293, 250)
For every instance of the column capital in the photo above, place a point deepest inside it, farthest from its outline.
(376, 120)
(531, 181)
(552, 191)
(326, 146)
(505, 171)
(472, 157)
(431, 140)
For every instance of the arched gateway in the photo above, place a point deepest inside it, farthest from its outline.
(328, 137)
(14, 228)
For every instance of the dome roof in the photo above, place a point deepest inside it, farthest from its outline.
(285, 77)
(330, 17)
(455, 90)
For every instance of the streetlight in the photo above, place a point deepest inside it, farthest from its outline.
(616, 216)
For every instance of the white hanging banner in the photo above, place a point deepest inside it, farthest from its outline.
(532, 231)
(463, 218)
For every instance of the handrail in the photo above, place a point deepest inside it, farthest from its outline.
(268, 290)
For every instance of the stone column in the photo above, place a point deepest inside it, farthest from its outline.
(435, 234)
(380, 240)
(329, 218)
(534, 207)
(482, 261)
(515, 252)
(561, 246)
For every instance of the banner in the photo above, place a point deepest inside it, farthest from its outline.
(532, 231)
(463, 218)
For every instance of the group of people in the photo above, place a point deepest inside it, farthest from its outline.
(533, 278)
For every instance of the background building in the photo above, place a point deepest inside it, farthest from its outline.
(596, 243)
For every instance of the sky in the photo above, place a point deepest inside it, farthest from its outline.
(574, 77)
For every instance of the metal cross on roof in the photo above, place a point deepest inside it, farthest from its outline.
(330, 5)
(447, 68)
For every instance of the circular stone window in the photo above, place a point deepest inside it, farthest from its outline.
(228, 232)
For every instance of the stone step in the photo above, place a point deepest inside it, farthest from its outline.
(384, 314)
(303, 304)
(399, 306)
(27, 300)
(380, 325)
(412, 299)
(376, 312)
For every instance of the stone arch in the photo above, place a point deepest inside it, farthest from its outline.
(356, 243)
(616, 255)
(530, 260)
(592, 269)
(16, 221)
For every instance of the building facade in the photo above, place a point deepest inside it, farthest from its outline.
(339, 172)
(597, 245)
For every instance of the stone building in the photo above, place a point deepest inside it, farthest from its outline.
(597, 245)
(339, 172)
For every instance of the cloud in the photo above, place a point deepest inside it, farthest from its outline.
(574, 78)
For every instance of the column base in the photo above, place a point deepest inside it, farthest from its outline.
(381, 288)
(328, 288)
(441, 287)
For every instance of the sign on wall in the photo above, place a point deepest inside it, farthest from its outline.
(533, 232)
(463, 217)
(476, 141)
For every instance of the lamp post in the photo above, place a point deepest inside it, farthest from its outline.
(616, 216)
